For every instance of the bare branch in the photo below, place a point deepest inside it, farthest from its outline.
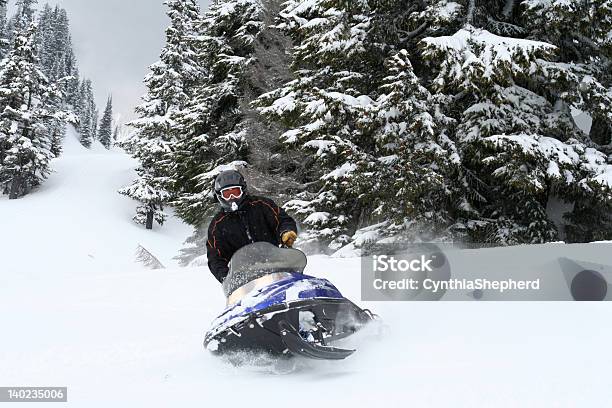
(148, 259)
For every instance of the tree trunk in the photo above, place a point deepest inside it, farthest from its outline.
(16, 188)
(601, 132)
(150, 219)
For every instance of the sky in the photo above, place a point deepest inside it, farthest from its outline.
(115, 42)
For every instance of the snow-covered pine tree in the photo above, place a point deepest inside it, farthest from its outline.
(491, 91)
(4, 43)
(54, 44)
(105, 132)
(56, 124)
(19, 21)
(169, 86)
(25, 101)
(582, 75)
(26, 10)
(338, 64)
(518, 144)
(86, 112)
(71, 87)
(581, 31)
(152, 200)
(410, 187)
(44, 34)
(210, 122)
(3, 15)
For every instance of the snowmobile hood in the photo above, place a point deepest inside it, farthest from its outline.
(293, 287)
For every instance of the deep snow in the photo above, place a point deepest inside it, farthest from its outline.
(77, 311)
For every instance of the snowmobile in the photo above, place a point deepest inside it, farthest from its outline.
(274, 308)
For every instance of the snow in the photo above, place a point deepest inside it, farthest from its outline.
(360, 101)
(447, 11)
(322, 146)
(553, 170)
(605, 177)
(561, 153)
(286, 103)
(501, 48)
(291, 136)
(473, 47)
(343, 171)
(548, 3)
(78, 312)
(235, 165)
(317, 218)
(77, 214)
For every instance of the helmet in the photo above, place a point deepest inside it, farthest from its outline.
(229, 198)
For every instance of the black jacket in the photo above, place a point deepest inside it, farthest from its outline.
(257, 219)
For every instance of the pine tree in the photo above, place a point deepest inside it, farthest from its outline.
(53, 47)
(337, 64)
(462, 149)
(25, 98)
(518, 144)
(152, 199)
(86, 112)
(168, 84)
(105, 133)
(210, 123)
(72, 82)
(581, 31)
(4, 43)
(413, 190)
(54, 44)
(26, 9)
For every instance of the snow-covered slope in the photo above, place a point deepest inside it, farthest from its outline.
(76, 311)
(78, 219)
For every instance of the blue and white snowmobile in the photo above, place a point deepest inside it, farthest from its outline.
(272, 307)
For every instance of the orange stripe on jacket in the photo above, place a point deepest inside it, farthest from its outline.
(214, 244)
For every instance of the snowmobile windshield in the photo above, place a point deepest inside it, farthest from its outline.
(263, 262)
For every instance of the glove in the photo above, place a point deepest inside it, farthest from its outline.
(288, 238)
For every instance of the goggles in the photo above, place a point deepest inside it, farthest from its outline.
(230, 193)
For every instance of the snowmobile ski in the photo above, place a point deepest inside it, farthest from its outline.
(297, 345)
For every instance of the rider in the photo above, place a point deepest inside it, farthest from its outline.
(243, 219)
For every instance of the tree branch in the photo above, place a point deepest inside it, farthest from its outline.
(409, 35)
